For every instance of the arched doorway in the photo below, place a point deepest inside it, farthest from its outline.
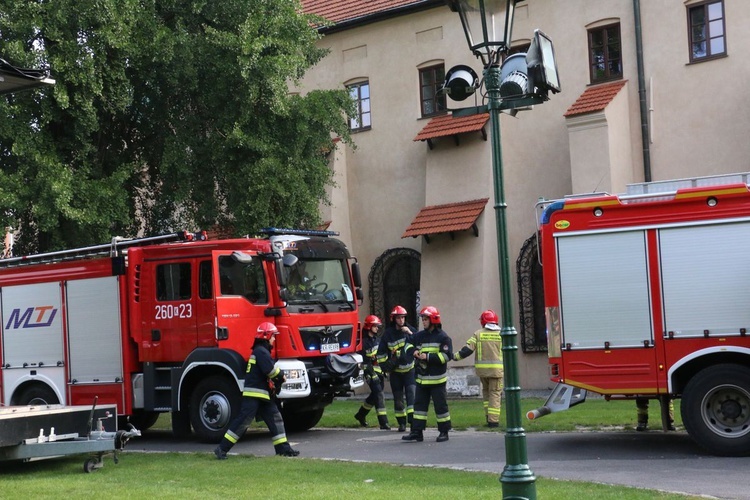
(394, 280)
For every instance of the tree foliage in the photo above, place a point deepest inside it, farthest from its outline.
(165, 114)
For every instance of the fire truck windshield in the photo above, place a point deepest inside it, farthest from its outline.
(323, 281)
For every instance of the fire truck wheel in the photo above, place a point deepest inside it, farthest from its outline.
(212, 404)
(301, 421)
(716, 409)
(38, 395)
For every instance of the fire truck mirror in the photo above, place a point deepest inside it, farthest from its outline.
(242, 257)
(355, 273)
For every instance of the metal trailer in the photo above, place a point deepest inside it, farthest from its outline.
(38, 432)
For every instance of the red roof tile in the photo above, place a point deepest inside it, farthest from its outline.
(445, 218)
(595, 98)
(337, 11)
(442, 126)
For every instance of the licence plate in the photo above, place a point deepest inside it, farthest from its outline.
(329, 347)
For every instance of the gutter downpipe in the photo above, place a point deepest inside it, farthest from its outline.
(642, 92)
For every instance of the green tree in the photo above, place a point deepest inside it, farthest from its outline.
(165, 115)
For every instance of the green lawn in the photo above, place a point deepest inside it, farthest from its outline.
(201, 476)
(192, 475)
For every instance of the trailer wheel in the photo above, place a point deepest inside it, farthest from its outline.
(301, 421)
(716, 409)
(38, 394)
(213, 403)
(90, 465)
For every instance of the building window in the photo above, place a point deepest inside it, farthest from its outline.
(360, 94)
(430, 81)
(605, 54)
(706, 31)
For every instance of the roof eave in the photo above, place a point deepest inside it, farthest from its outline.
(380, 16)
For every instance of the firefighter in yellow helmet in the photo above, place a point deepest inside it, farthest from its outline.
(486, 345)
(261, 380)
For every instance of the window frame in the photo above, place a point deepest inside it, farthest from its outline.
(604, 31)
(438, 102)
(359, 100)
(707, 35)
(174, 282)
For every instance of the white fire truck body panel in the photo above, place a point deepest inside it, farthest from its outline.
(32, 325)
(94, 336)
(604, 289)
(705, 277)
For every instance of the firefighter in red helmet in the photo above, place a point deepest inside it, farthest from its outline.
(431, 348)
(262, 379)
(373, 374)
(399, 367)
(486, 345)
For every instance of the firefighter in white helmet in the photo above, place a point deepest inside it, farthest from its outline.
(261, 381)
(486, 345)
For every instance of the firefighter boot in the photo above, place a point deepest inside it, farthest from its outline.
(401, 424)
(642, 425)
(285, 450)
(383, 421)
(220, 454)
(442, 437)
(361, 415)
(414, 436)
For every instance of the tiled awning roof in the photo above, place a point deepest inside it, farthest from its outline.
(595, 98)
(449, 125)
(338, 11)
(448, 218)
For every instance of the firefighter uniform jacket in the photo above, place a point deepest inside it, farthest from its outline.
(369, 353)
(391, 350)
(260, 369)
(439, 349)
(486, 344)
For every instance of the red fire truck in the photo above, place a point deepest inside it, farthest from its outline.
(166, 323)
(647, 294)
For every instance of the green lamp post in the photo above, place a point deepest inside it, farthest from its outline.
(488, 25)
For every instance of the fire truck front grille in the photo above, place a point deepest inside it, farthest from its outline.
(326, 338)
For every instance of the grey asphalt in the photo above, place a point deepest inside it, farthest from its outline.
(653, 460)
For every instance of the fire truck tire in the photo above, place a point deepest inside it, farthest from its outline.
(301, 421)
(38, 394)
(212, 404)
(715, 409)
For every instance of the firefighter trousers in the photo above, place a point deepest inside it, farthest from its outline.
(439, 395)
(267, 411)
(492, 392)
(375, 399)
(403, 386)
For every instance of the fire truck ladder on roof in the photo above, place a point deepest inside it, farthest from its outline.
(111, 249)
(671, 186)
